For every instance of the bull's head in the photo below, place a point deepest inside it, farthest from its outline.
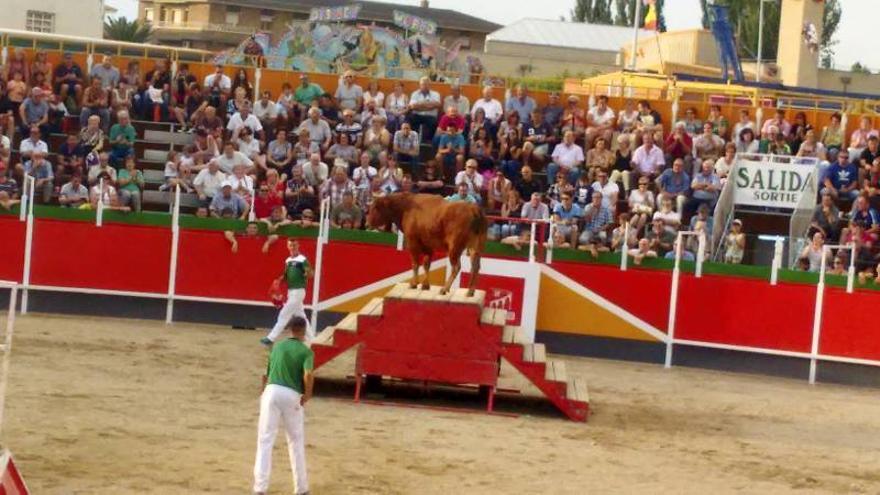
(380, 215)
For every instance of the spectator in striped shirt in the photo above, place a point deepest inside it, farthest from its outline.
(597, 220)
(337, 187)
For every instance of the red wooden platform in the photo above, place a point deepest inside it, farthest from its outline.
(11, 482)
(422, 335)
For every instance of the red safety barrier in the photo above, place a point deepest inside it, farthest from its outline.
(12, 231)
(745, 312)
(348, 266)
(642, 292)
(112, 257)
(849, 324)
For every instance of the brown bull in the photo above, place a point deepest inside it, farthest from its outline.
(431, 224)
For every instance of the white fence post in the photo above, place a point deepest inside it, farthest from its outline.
(23, 206)
(701, 254)
(624, 248)
(28, 246)
(172, 266)
(323, 238)
(534, 231)
(851, 273)
(777, 262)
(673, 301)
(551, 232)
(99, 218)
(817, 317)
(399, 239)
(7, 349)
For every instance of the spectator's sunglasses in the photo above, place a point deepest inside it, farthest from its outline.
(643, 184)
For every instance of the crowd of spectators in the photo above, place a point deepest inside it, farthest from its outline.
(589, 168)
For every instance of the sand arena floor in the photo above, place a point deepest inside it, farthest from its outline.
(132, 407)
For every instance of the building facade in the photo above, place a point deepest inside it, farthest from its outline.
(220, 24)
(67, 17)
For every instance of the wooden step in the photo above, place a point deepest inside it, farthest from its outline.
(534, 353)
(513, 335)
(325, 337)
(460, 296)
(397, 291)
(555, 371)
(494, 316)
(577, 390)
(349, 323)
(431, 294)
(372, 308)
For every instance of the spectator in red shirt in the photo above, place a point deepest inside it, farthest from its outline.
(265, 201)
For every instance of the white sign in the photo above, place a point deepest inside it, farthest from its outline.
(773, 181)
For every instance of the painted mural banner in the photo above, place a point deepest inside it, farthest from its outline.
(335, 14)
(773, 182)
(414, 23)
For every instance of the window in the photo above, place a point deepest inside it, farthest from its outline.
(232, 15)
(40, 22)
(148, 15)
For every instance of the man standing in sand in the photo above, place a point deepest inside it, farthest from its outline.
(289, 385)
(297, 271)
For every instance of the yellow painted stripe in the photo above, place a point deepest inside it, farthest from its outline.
(560, 309)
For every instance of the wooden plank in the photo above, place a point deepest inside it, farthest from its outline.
(370, 306)
(577, 390)
(154, 176)
(539, 353)
(460, 296)
(555, 371)
(397, 291)
(487, 317)
(325, 337)
(168, 137)
(500, 317)
(377, 310)
(349, 323)
(430, 294)
(156, 155)
(445, 298)
(508, 335)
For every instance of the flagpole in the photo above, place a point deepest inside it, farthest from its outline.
(636, 33)
(760, 39)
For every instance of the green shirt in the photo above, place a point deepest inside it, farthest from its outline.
(135, 182)
(305, 96)
(127, 131)
(295, 272)
(288, 362)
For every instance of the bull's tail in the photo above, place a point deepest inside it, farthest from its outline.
(479, 229)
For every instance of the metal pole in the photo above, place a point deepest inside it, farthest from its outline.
(760, 40)
(28, 248)
(623, 248)
(532, 244)
(319, 260)
(99, 218)
(172, 266)
(636, 33)
(777, 262)
(549, 257)
(701, 254)
(817, 317)
(22, 211)
(673, 302)
(851, 273)
(7, 349)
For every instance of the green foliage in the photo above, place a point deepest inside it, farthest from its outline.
(744, 16)
(592, 11)
(121, 29)
(858, 68)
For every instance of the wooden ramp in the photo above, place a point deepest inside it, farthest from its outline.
(446, 338)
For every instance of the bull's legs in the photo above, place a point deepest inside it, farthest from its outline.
(475, 272)
(426, 283)
(414, 282)
(455, 261)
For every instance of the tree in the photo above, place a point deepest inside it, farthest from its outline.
(121, 29)
(625, 12)
(592, 11)
(744, 16)
(858, 68)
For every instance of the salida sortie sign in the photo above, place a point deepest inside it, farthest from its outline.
(772, 184)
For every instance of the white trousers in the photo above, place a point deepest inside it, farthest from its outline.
(280, 404)
(293, 307)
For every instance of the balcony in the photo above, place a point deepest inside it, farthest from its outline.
(198, 27)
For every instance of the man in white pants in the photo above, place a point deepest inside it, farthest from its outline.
(297, 271)
(289, 385)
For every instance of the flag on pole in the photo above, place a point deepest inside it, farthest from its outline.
(651, 15)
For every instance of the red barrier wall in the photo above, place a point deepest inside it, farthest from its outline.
(12, 233)
(644, 293)
(850, 325)
(112, 257)
(349, 266)
(745, 312)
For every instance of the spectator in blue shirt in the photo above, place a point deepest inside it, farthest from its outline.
(842, 179)
(597, 219)
(706, 187)
(462, 194)
(674, 184)
(566, 215)
(451, 147)
(40, 169)
(229, 204)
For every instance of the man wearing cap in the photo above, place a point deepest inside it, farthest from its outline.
(289, 385)
(352, 127)
(208, 182)
(218, 85)
(228, 200)
(424, 106)
(107, 73)
(68, 79)
(307, 91)
(457, 100)
(34, 110)
(349, 95)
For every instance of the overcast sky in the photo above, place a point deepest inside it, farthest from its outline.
(859, 19)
